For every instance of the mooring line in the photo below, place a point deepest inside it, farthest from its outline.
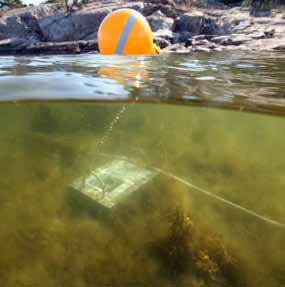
(228, 202)
(204, 191)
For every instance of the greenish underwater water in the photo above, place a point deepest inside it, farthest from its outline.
(165, 234)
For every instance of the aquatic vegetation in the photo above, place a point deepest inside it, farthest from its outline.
(49, 237)
(189, 249)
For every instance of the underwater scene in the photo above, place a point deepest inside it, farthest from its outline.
(152, 189)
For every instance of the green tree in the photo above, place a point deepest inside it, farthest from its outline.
(258, 5)
(261, 7)
(11, 3)
(53, 1)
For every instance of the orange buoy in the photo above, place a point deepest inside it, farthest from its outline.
(126, 32)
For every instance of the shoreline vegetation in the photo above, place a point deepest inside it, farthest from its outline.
(211, 26)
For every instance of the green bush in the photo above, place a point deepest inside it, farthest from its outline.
(12, 3)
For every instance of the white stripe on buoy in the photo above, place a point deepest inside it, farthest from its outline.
(125, 34)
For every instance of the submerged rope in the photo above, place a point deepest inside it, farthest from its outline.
(230, 203)
(207, 193)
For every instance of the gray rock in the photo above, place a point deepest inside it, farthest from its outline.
(168, 8)
(234, 39)
(229, 29)
(257, 36)
(190, 22)
(164, 33)
(81, 25)
(196, 23)
(4, 7)
(240, 39)
(11, 48)
(280, 47)
(164, 38)
(218, 49)
(269, 33)
(201, 49)
(164, 2)
(23, 25)
(202, 43)
(199, 37)
(184, 36)
(215, 13)
(161, 42)
(213, 4)
(158, 21)
(197, 44)
(177, 48)
(222, 40)
(7, 43)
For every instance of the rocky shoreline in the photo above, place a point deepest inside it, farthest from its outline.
(48, 29)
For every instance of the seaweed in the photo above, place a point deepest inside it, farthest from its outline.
(50, 237)
(189, 249)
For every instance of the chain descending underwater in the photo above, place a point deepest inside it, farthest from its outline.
(110, 128)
